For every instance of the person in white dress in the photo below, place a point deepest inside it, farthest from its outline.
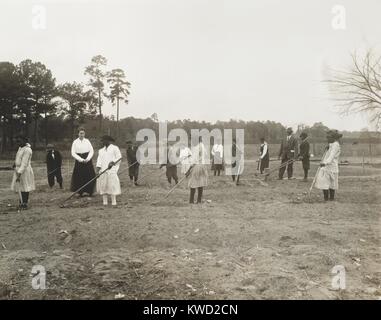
(23, 176)
(82, 151)
(185, 154)
(108, 183)
(198, 172)
(328, 176)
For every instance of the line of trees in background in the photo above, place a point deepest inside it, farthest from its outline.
(33, 104)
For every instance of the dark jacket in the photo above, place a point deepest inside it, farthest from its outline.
(53, 163)
(304, 152)
(289, 148)
(131, 155)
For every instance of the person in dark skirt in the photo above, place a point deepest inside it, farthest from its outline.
(171, 165)
(264, 155)
(53, 165)
(217, 157)
(133, 164)
(304, 154)
(82, 151)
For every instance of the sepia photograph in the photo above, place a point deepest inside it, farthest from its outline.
(190, 150)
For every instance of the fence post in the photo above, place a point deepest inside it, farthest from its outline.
(363, 162)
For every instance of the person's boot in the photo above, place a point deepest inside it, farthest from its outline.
(331, 194)
(199, 195)
(192, 192)
(325, 193)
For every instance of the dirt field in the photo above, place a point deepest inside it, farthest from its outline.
(245, 242)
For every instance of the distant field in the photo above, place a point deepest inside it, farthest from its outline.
(246, 242)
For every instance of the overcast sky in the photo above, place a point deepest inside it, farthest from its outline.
(202, 59)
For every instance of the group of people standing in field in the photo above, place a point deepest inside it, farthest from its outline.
(104, 177)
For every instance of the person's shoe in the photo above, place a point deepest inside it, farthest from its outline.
(291, 178)
(305, 180)
(279, 178)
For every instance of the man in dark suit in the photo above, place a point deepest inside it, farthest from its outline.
(54, 164)
(288, 153)
(304, 154)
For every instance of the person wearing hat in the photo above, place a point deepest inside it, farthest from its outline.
(133, 164)
(328, 176)
(304, 154)
(53, 165)
(108, 183)
(23, 176)
(288, 153)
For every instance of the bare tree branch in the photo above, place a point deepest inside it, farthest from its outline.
(358, 89)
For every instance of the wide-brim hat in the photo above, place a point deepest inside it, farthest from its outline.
(107, 138)
(304, 135)
(334, 134)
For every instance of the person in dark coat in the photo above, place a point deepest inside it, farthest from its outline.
(264, 155)
(133, 170)
(53, 166)
(288, 153)
(304, 154)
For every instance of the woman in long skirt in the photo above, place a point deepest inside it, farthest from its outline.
(328, 175)
(198, 172)
(82, 151)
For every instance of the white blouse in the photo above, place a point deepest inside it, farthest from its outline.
(185, 154)
(218, 148)
(198, 154)
(331, 158)
(264, 150)
(82, 146)
(107, 155)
